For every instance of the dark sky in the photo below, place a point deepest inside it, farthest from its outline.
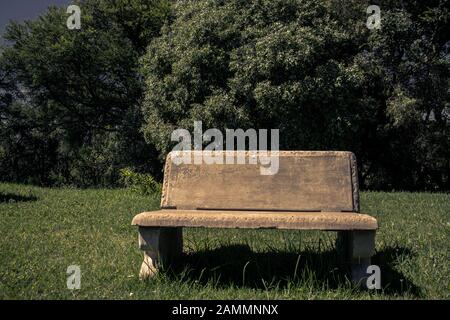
(20, 10)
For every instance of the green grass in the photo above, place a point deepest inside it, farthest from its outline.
(43, 231)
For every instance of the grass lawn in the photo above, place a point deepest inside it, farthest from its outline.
(43, 231)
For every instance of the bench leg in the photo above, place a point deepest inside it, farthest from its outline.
(161, 246)
(355, 250)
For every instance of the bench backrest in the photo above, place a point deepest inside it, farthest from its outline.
(305, 181)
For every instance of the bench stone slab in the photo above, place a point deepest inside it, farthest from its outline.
(256, 220)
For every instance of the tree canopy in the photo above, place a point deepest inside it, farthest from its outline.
(315, 71)
(71, 97)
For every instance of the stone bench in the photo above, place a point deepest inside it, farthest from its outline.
(312, 190)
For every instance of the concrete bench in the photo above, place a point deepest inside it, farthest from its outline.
(312, 190)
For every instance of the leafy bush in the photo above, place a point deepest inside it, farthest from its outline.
(141, 183)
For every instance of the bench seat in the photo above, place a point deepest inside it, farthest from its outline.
(332, 221)
(307, 190)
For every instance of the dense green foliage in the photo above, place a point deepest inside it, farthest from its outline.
(141, 183)
(46, 230)
(313, 70)
(70, 98)
(73, 102)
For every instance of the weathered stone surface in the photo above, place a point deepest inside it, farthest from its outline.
(305, 181)
(362, 244)
(257, 219)
(161, 246)
(356, 249)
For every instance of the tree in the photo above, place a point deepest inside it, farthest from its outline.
(78, 93)
(253, 64)
(407, 63)
(316, 72)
